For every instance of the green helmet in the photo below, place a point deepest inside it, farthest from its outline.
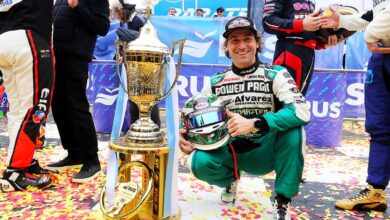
(205, 120)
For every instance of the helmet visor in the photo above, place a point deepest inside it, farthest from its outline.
(206, 119)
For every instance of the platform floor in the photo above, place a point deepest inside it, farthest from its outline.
(330, 174)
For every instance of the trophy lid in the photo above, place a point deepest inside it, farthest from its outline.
(147, 41)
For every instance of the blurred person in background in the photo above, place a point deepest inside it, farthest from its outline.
(220, 12)
(76, 27)
(171, 12)
(199, 12)
(294, 25)
(131, 24)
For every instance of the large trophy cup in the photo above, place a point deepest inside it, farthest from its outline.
(145, 60)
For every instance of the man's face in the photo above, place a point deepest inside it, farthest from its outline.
(199, 13)
(220, 13)
(242, 46)
(172, 12)
(119, 14)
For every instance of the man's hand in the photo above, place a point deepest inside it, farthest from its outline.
(332, 41)
(312, 22)
(331, 20)
(238, 125)
(185, 146)
(73, 3)
(374, 48)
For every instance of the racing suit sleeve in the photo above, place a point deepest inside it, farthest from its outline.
(379, 28)
(94, 16)
(273, 23)
(295, 111)
(355, 22)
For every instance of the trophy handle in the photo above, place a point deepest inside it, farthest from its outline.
(143, 200)
(181, 46)
(118, 45)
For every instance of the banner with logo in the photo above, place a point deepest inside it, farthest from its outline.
(204, 55)
(204, 41)
(326, 97)
(102, 92)
(354, 100)
(187, 8)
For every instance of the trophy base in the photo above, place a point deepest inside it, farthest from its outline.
(146, 214)
(144, 131)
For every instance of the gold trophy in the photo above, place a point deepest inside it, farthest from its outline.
(145, 61)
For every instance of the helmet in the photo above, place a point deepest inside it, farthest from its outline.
(204, 117)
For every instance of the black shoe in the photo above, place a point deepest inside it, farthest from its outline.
(19, 180)
(281, 208)
(63, 164)
(36, 169)
(87, 173)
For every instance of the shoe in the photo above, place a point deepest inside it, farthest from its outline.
(87, 173)
(63, 164)
(36, 169)
(281, 208)
(228, 194)
(367, 199)
(20, 180)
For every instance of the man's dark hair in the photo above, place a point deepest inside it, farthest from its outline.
(220, 9)
(127, 10)
(199, 9)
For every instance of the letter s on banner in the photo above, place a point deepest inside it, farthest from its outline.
(355, 90)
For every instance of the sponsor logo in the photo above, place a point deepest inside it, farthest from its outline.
(291, 81)
(5, 5)
(43, 99)
(202, 105)
(198, 49)
(38, 116)
(294, 89)
(247, 86)
(108, 98)
(45, 53)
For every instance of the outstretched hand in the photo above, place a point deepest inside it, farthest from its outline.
(238, 125)
(312, 22)
(330, 20)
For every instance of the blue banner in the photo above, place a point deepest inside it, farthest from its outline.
(326, 96)
(186, 8)
(204, 41)
(328, 93)
(354, 100)
(331, 94)
(102, 92)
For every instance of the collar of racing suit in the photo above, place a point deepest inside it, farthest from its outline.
(248, 70)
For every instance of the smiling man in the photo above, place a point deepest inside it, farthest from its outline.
(266, 113)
